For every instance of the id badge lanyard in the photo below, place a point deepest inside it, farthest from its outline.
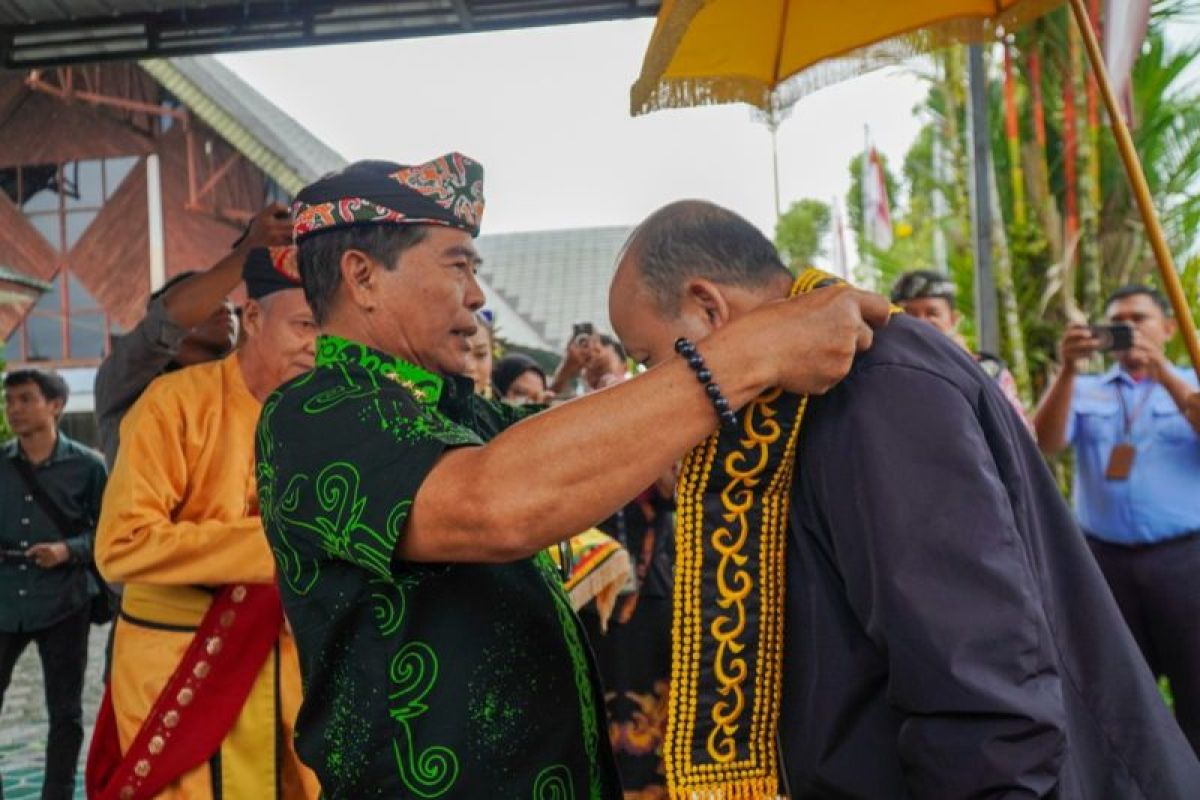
(1120, 460)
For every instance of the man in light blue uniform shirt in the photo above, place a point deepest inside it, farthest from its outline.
(1136, 439)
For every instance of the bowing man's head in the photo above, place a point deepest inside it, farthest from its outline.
(689, 269)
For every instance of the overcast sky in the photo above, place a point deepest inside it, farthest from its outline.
(547, 112)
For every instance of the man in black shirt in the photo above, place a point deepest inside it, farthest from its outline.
(45, 585)
(945, 632)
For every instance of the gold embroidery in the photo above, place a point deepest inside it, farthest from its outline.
(413, 389)
(734, 584)
(736, 758)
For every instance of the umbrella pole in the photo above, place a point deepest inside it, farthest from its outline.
(1141, 190)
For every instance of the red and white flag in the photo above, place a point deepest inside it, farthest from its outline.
(840, 258)
(1125, 26)
(877, 214)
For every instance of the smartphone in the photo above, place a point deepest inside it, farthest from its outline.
(1112, 337)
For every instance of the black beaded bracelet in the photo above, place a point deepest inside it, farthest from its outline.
(692, 356)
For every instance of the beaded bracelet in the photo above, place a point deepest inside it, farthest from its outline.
(690, 354)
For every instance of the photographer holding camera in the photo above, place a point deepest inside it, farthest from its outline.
(597, 357)
(1136, 439)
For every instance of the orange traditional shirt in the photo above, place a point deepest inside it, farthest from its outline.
(180, 516)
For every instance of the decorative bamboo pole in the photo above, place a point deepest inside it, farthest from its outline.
(1070, 144)
(1089, 190)
(1006, 291)
(1039, 106)
(1171, 284)
(1012, 133)
(1093, 114)
(1045, 203)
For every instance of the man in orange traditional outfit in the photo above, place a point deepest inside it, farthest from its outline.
(205, 680)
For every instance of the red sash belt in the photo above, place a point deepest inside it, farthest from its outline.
(199, 704)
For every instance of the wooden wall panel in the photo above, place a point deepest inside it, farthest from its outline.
(44, 130)
(23, 250)
(111, 259)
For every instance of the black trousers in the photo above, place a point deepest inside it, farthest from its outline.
(1157, 588)
(63, 650)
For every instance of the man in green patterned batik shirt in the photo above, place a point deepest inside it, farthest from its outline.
(408, 516)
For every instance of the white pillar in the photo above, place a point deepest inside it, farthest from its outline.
(154, 209)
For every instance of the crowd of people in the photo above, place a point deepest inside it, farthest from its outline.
(334, 528)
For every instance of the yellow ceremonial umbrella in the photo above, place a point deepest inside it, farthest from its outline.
(769, 53)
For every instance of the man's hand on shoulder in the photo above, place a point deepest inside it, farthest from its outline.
(809, 342)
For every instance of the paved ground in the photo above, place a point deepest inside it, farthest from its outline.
(23, 722)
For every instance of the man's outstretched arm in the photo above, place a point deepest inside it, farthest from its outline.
(562, 471)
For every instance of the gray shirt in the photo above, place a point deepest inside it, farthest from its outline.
(137, 358)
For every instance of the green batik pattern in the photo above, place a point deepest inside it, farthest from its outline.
(299, 573)
(579, 664)
(423, 386)
(413, 673)
(554, 783)
(338, 525)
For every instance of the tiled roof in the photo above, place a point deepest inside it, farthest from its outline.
(259, 129)
(552, 279)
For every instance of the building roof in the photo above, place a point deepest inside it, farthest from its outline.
(8, 275)
(260, 130)
(36, 33)
(552, 279)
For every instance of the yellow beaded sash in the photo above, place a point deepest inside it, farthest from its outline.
(727, 635)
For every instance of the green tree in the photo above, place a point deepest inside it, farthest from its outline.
(800, 232)
(1043, 289)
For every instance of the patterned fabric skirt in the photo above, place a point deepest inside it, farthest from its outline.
(635, 666)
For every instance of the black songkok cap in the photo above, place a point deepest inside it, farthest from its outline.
(269, 270)
(446, 191)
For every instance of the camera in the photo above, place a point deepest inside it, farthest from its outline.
(1112, 337)
(582, 331)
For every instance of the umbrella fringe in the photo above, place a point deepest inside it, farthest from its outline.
(706, 91)
(654, 91)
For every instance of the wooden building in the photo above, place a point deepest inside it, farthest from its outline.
(117, 176)
(114, 177)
